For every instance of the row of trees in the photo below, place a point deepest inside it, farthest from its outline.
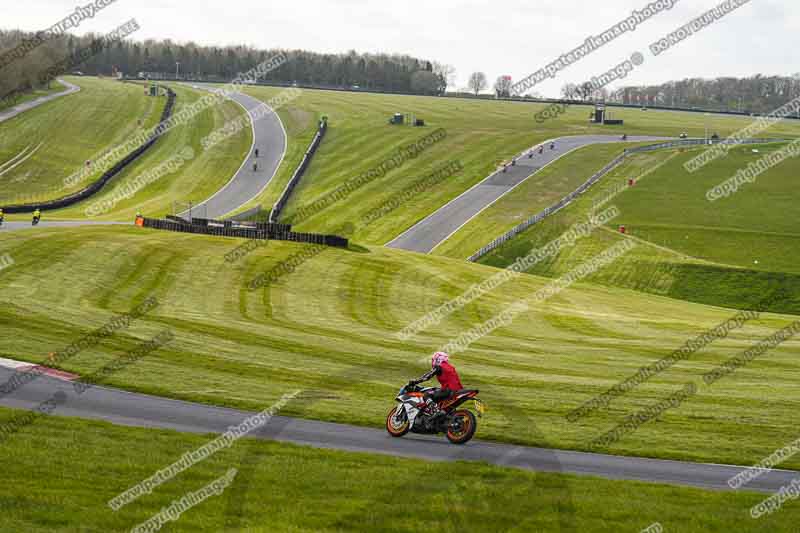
(377, 72)
(381, 72)
(756, 94)
(478, 82)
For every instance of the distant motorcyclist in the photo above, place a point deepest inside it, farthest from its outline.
(447, 376)
(2, 217)
(37, 216)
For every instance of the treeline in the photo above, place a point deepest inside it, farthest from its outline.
(165, 58)
(756, 94)
(27, 73)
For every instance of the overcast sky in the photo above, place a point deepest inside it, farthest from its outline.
(514, 37)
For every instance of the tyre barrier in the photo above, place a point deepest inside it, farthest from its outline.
(230, 223)
(242, 230)
(535, 219)
(94, 187)
(298, 173)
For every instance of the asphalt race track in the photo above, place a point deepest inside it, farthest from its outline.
(270, 139)
(436, 228)
(21, 108)
(131, 409)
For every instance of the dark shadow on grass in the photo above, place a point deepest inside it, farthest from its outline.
(357, 248)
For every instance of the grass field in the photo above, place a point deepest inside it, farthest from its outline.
(330, 327)
(67, 132)
(481, 134)
(729, 252)
(756, 228)
(64, 471)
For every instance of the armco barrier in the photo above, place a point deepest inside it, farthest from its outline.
(94, 187)
(298, 173)
(535, 219)
(229, 228)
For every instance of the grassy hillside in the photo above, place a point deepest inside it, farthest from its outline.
(66, 133)
(193, 180)
(755, 228)
(54, 483)
(730, 252)
(481, 134)
(329, 328)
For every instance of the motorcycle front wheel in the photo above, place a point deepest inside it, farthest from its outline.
(397, 422)
(462, 428)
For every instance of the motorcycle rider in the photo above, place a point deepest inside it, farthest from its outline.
(2, 216)
(37, 215)
(448, 378)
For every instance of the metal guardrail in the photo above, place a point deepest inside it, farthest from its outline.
(94, 187)
(299, 171)
(535, 219)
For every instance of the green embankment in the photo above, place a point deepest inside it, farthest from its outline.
(67, 132)
(330, 327)
(731, 252)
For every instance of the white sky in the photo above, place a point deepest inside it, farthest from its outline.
(515, 37)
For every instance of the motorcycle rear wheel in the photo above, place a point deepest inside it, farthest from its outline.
(462, 428)
(395, 427)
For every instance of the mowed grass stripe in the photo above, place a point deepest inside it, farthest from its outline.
(330, 327)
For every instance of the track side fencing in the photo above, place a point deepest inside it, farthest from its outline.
(242, 230)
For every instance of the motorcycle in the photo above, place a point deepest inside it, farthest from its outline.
(35, 221)
(414, 414)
